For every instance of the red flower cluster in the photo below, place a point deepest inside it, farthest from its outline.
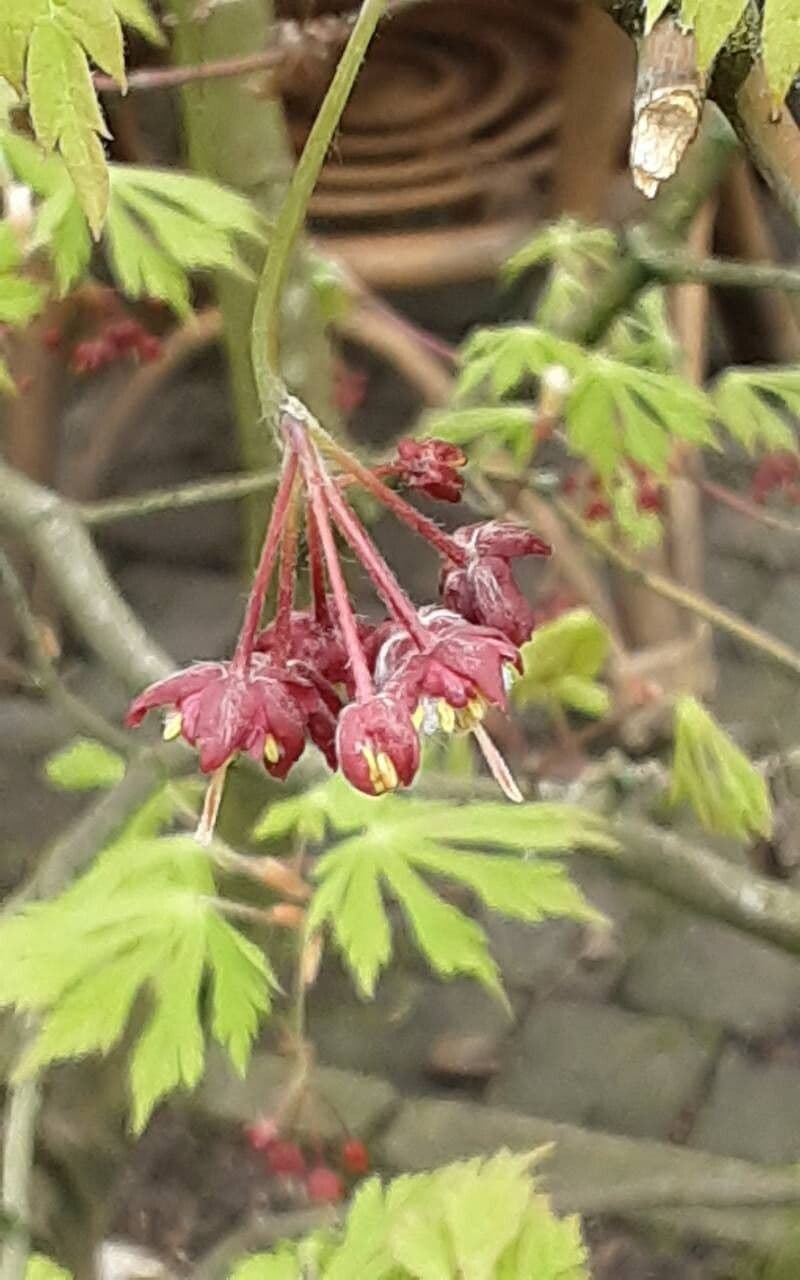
(360, 692)
(777, 473)
(118, 340)
(285, 1158)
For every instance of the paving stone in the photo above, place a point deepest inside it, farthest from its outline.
(604, 1067)
(753, 1110)
(758, 704)
(583, 1166)
(738, 536)
(359, 1102)
(709, 972)
(736, 584)
(780, 614)
(192, 613)
(564, 958)
(396, 1034)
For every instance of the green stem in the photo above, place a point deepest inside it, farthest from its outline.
(678, 268)
(266, 316)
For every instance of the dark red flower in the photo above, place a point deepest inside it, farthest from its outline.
(377, 745)
(318, 645)
(483, 591)
(463, 667)
(431, 466)
(222, 711)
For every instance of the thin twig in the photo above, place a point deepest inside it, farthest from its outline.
(195, 494)
(783, 654)
(19, 1133)
(743, 507)
(289, 40)
(678, 268)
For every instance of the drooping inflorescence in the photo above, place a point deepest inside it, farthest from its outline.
(362, 692)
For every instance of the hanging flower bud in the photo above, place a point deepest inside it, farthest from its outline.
(377, 745)
(432, 467)
(484, 591)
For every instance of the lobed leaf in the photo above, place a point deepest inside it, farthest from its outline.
(711, 774)
(752, 404)
(780, 45)
(84, 765)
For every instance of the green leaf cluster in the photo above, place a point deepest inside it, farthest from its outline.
(160, 225)
(614, 410)
(473, 1220)
(393, 848)
(138, 935)
(710, 773)
(21, 299)
(568, 244)
(560, 663)
(754, 404)
(45, 51)
(714, 21)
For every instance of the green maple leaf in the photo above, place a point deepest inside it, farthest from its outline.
(142, 919)
(753, 405)
(560, 663)
(711, 774)
(568, 244)
(713, 22)
(780, 45)
(389, 847)
(45, 50)
(471, 1220)
(161, 226)
(21, 299)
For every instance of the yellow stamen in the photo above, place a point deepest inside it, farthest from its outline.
(374, 771)
(418, 717)
(387, 771)
(447, 716)
(173, 723)
(272, 751)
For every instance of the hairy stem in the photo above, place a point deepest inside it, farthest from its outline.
(415, 520)
(312, 476)
(265, 342)
(269, 553)
(674, 267)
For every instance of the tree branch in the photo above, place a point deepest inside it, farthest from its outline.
(19, 1135)
(673, 267)
(672, 213)
(709, 884)
(52, 530)
(771, 137)
(289, 40)
(782, 654)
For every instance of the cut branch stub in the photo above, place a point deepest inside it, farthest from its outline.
(668, 103)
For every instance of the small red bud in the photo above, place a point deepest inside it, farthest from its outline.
(324, 1186)
(262, 1133)
(282, 1157)
(597, 510)
(52, 338)
(355, 1157)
